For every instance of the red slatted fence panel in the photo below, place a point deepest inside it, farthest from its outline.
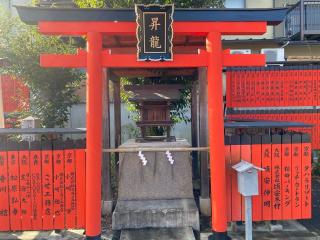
(4, 188)
(14, 186)
(42, 185)
(58, 189)
(70, 184)
(47, 185)
(36, 186)
(25, 186)
(80, 156)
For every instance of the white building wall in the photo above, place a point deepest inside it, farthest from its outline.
(9, 4)
(251, 4)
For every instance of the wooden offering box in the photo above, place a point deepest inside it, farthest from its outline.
(154, 103)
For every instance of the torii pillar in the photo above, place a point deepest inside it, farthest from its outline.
(94, 135)
(216, 134)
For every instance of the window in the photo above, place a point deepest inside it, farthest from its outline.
(234, 3)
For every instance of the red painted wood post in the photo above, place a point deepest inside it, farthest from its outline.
(216, 136)
(94, 135)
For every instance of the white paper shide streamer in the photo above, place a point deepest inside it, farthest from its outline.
(169, 156)
(143, 158)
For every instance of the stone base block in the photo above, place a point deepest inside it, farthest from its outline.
(158, 179)
(205, 206)
(158, 234)
(177, 213)
(106, 208)
(275, 227)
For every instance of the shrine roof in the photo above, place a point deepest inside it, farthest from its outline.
(158, 92)
(33, 15)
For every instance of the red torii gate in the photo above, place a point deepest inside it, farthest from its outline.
(95, 59)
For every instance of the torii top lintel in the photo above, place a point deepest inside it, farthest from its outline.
(34, 15)
(122, 21)
(117, 22)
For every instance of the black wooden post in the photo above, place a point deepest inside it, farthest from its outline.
(205, 205)
(194, 129)
(107, 195)
(117, 113)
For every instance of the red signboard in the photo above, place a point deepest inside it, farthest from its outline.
(273, 89)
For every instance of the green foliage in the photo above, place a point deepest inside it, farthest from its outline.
(52, 89)
(35, 2)
(125, 96)
(316, 169)
(129, 131)
(90, 3)
(130, 3)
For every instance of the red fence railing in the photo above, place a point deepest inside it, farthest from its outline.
(42, 185)
(284, 186)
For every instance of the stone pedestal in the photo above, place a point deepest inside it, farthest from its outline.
(158, 194)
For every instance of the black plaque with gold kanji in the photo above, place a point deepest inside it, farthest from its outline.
(154, 32)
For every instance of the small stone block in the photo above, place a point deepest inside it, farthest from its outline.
(276, 227)
(106, 208)
(205, 206)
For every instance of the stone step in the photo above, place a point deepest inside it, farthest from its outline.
(158, 234)
(176, 213)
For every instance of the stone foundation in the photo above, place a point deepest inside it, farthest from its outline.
(158, 194)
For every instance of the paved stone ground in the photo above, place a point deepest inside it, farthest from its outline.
(62, 235)
(51, 235)
(291, 230)
(271, 236)
(301, 230)
(185, 233)
(71, 234)
(314, 223)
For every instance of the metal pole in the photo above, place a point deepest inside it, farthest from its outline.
(248, 210)
(302, 20)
